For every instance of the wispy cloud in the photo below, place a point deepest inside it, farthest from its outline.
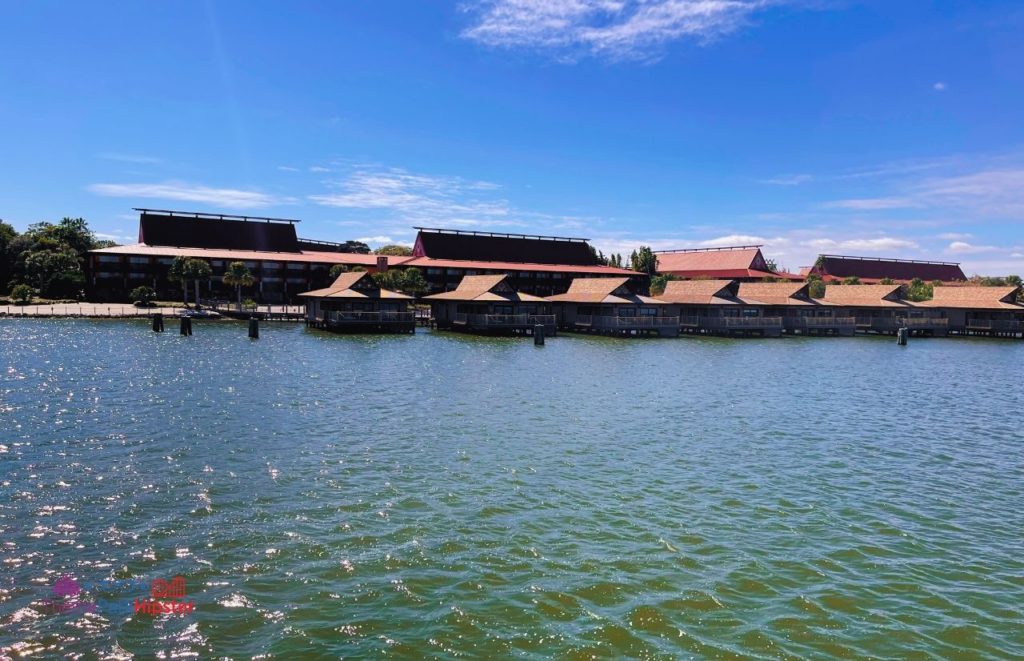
(939, 86)
(964, 248)
(787, 180)
(375, 239)
(872, 204)
(130, 158)
(617, 29)
(287, 168)
(230, 198)
(871, 245)
(955, 236)
(421, 198)
(318, 169)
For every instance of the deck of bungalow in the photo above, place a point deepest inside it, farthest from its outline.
(487, 304)
(354, 303)
(609, 306)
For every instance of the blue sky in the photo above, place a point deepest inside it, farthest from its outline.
(871, 128)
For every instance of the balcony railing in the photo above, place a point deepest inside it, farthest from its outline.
(826, 322)
(346, 317)
(503, 320)
(998, 325)
(730, 323)
(613, 322)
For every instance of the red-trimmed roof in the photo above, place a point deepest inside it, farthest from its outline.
(310, 256)
(718, 263)
(430, 262)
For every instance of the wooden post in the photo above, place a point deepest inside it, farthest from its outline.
(538, 335)
(158, 323)
(186, 326)
(254, 327)
(902, 335)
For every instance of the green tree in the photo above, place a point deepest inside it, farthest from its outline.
(337, 270)
(918, 290)
(659, 282)
(22, 294)
(1013, 280)
(413, 281)
(816, 287)
(886, 281)
(356, 247)
(643, 260)
(394, 249)
(238, 275)
(179, 273)
(852, 280)
(142, 296)
(7, 236)
(198, 269)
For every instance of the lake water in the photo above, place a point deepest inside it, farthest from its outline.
(444, 495)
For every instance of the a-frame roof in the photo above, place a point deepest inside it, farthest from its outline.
(484, 288)
(355, 284)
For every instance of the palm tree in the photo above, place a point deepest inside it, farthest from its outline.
(198, 269)
(179, 273)
(238, 276)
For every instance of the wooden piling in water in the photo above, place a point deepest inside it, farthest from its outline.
(254, 327)
(186, 326)
(158, 323)
(901, 336)
(538, 335)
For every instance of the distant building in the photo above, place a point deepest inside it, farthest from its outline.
(282, 264)
(537, 265)
(743, 263)
(354, 303)
(870, 270)
(488, 304)
(285, 265)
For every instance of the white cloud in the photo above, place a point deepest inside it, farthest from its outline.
(1017, 255)
(171, 190)
(421, 199)
(287, 168)
(989, 192)
(732, 240)
(955, 236)
(869, 245)
(618, 29)
(788, 180)
(939, 86)
(962, 247)
(872, 204)
(375, 239)
(318, 168)
(130, 158)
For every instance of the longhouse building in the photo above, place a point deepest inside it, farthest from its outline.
(872, 270)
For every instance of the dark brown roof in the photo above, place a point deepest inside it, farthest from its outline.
(870, 268)
(487, 247)
(199, 231)
(354, 284)
(484, 288)
(975, 298)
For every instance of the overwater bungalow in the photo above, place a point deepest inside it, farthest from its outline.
(703, 306)
(355, 304)
(880, 309)
(791, 305)
(488, 304)
(990, 311)
(610, 306)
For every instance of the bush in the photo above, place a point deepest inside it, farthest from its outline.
(248, 304)
(22, 294)
(142, 296)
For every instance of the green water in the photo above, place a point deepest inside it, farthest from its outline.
(440, 495)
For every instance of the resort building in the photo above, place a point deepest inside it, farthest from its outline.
(745, 263)
(612, 306)
(537, 265)
(979, 310)
(489, 304)
(791, 305)
(871, 270)
(879, 309)
(354, 303)
(282, 264)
